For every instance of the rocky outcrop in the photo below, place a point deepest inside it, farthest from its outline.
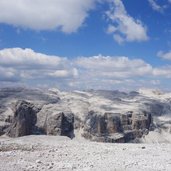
(142, 121)
(102, 128)
(24, 119)
(115, 127)
(60, 124)
(88, 113)
(113, 123)
(3, 127)
(109, 127)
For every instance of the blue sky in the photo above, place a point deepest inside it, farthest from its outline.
(97, 43)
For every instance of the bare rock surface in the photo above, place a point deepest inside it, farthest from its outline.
(24, 119)
(60, 124)
(43, 153)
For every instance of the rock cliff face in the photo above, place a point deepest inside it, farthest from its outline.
(60, 124)
(95, 116)
(4, 127)
(110, 127)
(24, 119)
(115, 127)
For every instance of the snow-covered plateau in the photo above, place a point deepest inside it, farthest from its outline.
(84, 130)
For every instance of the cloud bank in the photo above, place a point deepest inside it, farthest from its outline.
(25, 66)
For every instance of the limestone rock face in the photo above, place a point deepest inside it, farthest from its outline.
(113, 124)
(94, 125)
(106, 116)
(135, 125)
(3, 127)
(115, 127)
(102, 127)
(141, 121)
(108, 127)
(60, 124)
(24, 119)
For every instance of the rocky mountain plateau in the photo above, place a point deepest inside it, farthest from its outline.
(96, 115)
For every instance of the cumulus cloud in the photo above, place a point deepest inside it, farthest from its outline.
(155, 6)
(107, 72)
(64, 73)
(8, 74)
(164, 55)
(66, 15)
(26, 66)
(123, 27)
(113, 67)
(27, 58)
(164, 71)
(69, 15)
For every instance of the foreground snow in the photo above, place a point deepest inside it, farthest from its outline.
(42, 153)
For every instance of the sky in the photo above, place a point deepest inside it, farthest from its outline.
(90, 44)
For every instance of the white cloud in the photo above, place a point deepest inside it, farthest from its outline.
(124, 27)
(103, 72)
(28, 67)
(66, 15)
(155, 82)
(163, 55)
(155, 6)
(118, 38)
(59, 73)
(164, 72)
(20, 57)
(64, 73)
(108, 64)
(25, 64)
(111, 29)
(7, 74)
